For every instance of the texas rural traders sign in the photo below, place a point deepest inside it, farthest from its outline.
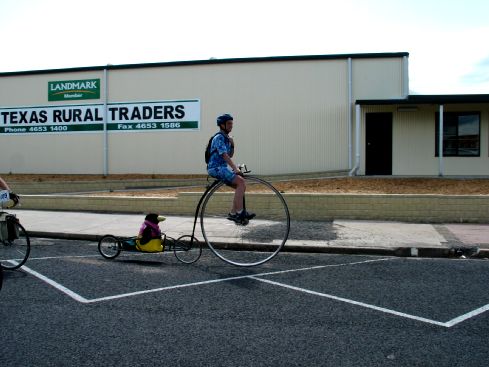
(127, 117)
(74, 89)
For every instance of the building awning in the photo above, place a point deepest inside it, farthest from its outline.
(417, 99)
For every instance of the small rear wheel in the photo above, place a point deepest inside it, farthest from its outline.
(109, 247)
(187, 249)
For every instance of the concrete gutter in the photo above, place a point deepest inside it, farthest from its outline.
(430, 252)
(340, 236)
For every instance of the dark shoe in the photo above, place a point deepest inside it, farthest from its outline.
(241, 218)
(234, 217)
(249, 215)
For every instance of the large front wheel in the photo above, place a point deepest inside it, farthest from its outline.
(249, 242)
(15, 246)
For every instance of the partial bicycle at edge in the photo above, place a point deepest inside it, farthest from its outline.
(15, 245)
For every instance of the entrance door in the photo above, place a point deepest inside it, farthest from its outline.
(378, 151)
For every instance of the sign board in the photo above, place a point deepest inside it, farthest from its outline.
(74, 89)
(123, 117)
(179, 115)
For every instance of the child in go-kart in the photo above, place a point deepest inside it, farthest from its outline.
(149, 237)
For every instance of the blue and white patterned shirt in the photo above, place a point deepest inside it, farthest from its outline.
(219, 146)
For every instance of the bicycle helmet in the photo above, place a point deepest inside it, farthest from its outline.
(223, 118)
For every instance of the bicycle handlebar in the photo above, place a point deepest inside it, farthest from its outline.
(243, 169)
(9, 199)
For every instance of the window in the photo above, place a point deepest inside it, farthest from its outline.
(461, 134)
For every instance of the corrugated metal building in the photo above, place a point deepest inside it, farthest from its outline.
(292, 115)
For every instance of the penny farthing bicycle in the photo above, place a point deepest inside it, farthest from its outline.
(248, 242)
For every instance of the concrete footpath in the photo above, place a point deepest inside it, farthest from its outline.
(338, 236)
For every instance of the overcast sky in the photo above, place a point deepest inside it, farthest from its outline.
(446, 40)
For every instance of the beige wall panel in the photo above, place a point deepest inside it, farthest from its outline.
(67, 154)
(377, 78)
(289, 116)
(413, 149)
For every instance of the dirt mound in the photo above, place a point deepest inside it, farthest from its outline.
(70, 178)
(370, 185)
(344, 185)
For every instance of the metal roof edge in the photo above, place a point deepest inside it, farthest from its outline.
(208, 62)
(428, 99)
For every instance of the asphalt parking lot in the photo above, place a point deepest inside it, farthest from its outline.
(69, 306)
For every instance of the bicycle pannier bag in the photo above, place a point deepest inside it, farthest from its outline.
(12, 229)
(3, 227)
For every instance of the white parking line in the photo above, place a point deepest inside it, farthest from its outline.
(165, 289)
(56, 285)
(82, 299)
(455, 321)
(324, 266)
(259, 277)
(205, 282)
(468, 315)
(356, 303)
(83, 256)
(60, 257)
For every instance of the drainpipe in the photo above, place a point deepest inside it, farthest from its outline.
(350, 100)
(440, 143)
(106, 137)
(354, 171)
